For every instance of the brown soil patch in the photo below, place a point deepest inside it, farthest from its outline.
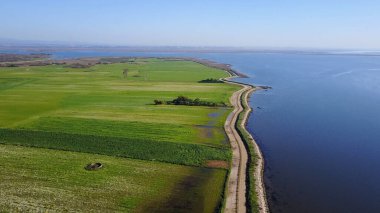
(217, 164)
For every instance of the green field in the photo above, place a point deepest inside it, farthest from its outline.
(99, 100)
(40, 180)
(78, 113)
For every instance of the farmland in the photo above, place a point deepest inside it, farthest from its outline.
(67, 117)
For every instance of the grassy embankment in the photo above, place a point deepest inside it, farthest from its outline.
(99, 110)
(252, 203)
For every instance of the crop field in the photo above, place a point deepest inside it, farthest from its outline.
(186, 154)
(54, 119)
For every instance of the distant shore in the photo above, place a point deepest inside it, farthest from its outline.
(42, 59)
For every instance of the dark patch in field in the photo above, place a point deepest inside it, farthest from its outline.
(214, 114)
(93, 166)
(206, 131)
(186, 196)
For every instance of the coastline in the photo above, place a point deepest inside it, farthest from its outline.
(248, 160)
(259, 167)
(244, 148)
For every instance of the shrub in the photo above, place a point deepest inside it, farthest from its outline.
(210, 80)
(182, 100)
(158, 102)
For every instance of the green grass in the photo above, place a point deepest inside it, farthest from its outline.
(97, 110)
(34, 97)
(185, 154)
(41, 180)
(131, 130)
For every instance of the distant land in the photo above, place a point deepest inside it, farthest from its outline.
(10, 45)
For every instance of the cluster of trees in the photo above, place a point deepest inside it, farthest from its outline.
(182, 100)
(210, 80)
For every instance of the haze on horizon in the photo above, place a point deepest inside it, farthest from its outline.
(346, 24)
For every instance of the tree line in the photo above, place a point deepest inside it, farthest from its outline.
(182, 100)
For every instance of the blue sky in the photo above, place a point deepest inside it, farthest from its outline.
(239, 23)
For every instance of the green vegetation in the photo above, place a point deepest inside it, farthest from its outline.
(186, 154)
(54, 98)
(107, 109)
(210, 80)
(182, 100)
(252, 205)
(133, 130)
(41, 180)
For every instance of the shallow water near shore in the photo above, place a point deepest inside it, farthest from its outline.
(318, 128)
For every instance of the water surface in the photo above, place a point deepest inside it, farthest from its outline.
(319, 129)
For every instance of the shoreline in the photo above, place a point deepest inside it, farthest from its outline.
(260, 163)
(237, 190)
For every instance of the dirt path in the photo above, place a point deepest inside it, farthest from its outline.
(236, 184)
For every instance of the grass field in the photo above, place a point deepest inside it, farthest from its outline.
(185, 154)
(40, 180)
(100, 97)
(78, 113)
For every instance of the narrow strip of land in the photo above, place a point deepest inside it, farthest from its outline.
(259, 168)
(236, 185)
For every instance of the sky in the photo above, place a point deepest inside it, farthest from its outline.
(343, 24)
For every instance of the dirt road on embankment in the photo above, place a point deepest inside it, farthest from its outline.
(236, 184)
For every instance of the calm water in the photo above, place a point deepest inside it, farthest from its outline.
(318, 128)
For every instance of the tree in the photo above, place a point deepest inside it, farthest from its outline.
(158, 102)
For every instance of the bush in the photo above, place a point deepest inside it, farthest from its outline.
(210, 80)
(182, 100)
(158, 102)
